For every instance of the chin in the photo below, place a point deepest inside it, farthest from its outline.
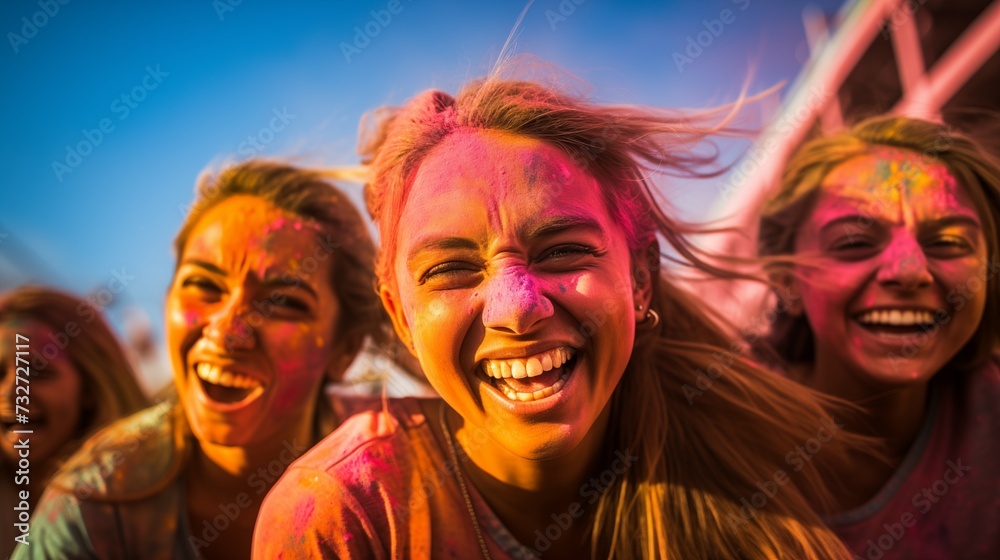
(900, 372)
(215, 432)
(551, 443)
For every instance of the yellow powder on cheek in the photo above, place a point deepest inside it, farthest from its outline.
(436, 310)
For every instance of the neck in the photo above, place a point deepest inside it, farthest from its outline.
(227, 470)
(525, 494)
(233, 480)
(892, 414)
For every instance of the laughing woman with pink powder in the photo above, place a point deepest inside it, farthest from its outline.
(886, 237)
(520, 262)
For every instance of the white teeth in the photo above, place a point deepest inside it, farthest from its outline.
(546, 362)
(209, 373)
(517, 370)
(529, 367)
(513, 395)
(534, 367)
(216, 376)
(896, 317)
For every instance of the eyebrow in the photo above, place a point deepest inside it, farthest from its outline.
(273, 282)
(563, 223)
(547, 228)
(956, 219)
(204, 264)
(441, 244)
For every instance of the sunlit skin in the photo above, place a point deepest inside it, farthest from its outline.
(241, 300)
(891, 230)
(532, 256)
(55, 401)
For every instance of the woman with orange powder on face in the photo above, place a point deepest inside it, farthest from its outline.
(520, 261)
(75, 380)
(886, 237)
(271, 296)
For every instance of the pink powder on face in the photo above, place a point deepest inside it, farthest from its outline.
(275, 225)
(903, 256)
(515, 291)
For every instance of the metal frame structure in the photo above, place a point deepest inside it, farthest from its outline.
(813, 98)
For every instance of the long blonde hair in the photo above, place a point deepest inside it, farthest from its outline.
(708, 426)
(783, 214)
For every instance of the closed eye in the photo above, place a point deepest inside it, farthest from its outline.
(448, 270)
(948, 246)
(852, 244)
(854, 247)
(570, 250)
(294, 304)
(201, 283)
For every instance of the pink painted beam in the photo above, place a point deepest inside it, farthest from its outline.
(963, 58)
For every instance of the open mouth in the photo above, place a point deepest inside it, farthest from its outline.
(533, 378)
(898, 322)
(224, 386)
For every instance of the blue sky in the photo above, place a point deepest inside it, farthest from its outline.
(112, 110)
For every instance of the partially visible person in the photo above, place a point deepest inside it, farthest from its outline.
(272, 297)
(63, 375)
(884, 239)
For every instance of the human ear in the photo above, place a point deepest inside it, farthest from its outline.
(645, 269)
(395, 312)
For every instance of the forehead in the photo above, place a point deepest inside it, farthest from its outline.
(38, 333)
(888, 180)
(253, 230)
(500, 180)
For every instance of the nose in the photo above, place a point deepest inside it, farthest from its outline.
(514, 302)
(230, 327)
(904, 264)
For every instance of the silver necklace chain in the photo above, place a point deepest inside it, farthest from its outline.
(461, 484)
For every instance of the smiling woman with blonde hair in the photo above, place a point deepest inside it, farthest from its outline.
(520, 261)
(887, 235)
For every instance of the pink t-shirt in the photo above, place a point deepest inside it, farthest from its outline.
(944, 500)
(381, 486)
